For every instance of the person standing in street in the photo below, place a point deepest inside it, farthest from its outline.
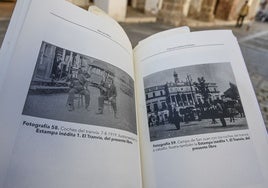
(242, 14)
(220, 110)
(177, 118)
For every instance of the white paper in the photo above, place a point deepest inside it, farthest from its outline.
(173, 163)
(11, 35)
(98, 155)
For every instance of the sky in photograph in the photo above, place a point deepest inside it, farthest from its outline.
(219, 73)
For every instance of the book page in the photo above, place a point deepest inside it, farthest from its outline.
(67, 111)
(11, 36)
(199, 119)
(165, 34)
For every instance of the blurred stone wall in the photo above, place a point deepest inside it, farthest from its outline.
(80, 2)
(224, 8)
(195, 8)
(172, 11)
(207, 10)
(175, 11)
(138, 4)
(229, 9)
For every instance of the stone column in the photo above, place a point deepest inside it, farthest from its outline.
(116, 9)
(207, 10)
(195, 8)
(173, 11)
(81, 3)
(152, 6)
(187, 99)
(176, 101)
(224, 8)
(138, 4)
(182, 99)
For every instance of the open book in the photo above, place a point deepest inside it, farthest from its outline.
(80, 108)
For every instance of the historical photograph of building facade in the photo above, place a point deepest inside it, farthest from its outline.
(193, 100)
(72, 87)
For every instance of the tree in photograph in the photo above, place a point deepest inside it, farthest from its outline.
(202, 87)
(232, 92)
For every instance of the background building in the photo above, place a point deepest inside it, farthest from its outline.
(183, 95)
(175, 12)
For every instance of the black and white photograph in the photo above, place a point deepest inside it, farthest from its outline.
(193, 100)
(72, 87)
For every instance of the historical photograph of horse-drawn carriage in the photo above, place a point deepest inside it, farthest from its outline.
(69, 86)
